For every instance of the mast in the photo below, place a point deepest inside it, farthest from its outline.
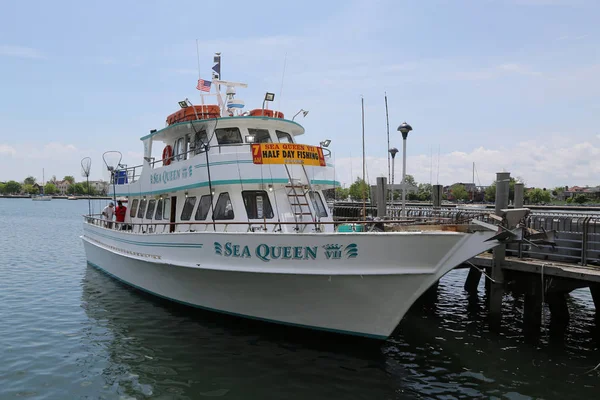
(362, 102)
(387, 121)
(473, 188)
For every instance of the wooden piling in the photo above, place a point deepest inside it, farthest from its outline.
(559, 310)
(472, 282)
(497, 285)
(595, 291)
(532, 308)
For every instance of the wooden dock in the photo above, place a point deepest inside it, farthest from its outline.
(538, 281)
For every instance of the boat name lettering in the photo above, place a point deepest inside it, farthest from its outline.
(267, 253)
(173, 175)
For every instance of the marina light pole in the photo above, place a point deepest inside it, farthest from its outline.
(392, 152)
(404, 128)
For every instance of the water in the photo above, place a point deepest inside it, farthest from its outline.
(69, 331)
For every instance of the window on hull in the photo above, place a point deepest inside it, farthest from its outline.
(150, 210)
(203, 208)
(284, 137)
(188, 207)
(167, 210)
(134, 206)
(142, 208)
(318, 205)
(200, 140)
(257, 204)
(224, 208)
(260, 135)
(228, 136)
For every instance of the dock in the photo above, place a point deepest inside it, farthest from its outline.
(542, 273)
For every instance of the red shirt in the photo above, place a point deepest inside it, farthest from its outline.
(120, 213)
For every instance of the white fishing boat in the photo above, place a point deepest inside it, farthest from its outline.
(233, 219)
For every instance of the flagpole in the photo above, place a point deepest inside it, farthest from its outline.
(198, 56)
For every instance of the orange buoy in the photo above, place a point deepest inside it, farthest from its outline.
(167, 155)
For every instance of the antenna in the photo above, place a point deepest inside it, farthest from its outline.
(387, 121)
(438, 171)
(86, 165)
(282, 76)
(112, 160)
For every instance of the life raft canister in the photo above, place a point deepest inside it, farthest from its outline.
(258, 112)
(167, 155)
(192, 113)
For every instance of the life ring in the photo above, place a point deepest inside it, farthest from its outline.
(167, 155)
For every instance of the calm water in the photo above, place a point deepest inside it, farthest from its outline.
(69, 331)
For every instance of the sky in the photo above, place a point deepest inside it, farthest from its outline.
(510, 85)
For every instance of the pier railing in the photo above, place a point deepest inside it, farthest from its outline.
(577, 238)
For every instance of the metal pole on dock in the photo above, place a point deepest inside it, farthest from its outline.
(381, 196)
(519, 194)
(404, 128)
(436, 196)
(497, 285)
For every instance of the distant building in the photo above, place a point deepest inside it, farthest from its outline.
(591, 192)
(62, 187)
(101, 187)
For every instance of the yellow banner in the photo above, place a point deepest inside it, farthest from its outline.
(287, 153)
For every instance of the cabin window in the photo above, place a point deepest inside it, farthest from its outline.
(260, 135)
(257, 204)
(150, 209)
(167, 210)
(159, 209)
(203, 208)
(179, 149)
(200, 140)
(188, 207)
(228, 135)
(133, 210)
(142, 208)
(284, 137)
(224, 208)
(318, 205)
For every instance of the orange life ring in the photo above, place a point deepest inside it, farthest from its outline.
(167, 155)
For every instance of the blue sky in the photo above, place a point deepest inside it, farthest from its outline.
(508, 84)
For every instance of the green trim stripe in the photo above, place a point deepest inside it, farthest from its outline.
(221, 183)
(220, 119)
(153, 244)
(338, 331)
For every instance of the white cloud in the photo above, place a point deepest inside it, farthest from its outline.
(20, 52)
(7, 150)
(541, 163)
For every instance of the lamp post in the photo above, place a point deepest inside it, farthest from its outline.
(404, 128)
(392, 152)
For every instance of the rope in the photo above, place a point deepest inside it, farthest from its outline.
(483, 272)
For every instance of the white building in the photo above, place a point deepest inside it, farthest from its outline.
(101, 187)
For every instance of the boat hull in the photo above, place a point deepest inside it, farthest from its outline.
(365, 295)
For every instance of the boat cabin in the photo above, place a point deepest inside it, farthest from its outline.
(236, 173)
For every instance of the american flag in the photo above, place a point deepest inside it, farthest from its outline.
(203, 85)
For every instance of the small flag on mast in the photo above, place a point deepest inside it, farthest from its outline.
(203, 85)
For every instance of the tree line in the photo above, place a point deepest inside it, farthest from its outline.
(29, 186)
(457, 192)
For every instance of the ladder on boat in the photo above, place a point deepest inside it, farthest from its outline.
(298, 199)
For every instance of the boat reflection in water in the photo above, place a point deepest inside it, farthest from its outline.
(153, 347)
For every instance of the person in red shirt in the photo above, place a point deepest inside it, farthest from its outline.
(120, 212)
